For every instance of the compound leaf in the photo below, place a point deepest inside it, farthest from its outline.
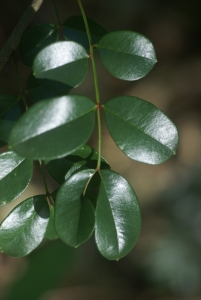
(140, 129)
(74, 214)
(35, 39)
(24, 228)
(15, 175)
(117, 216)
(126, 55)
(74, 30)
(83, 158)
(61, 66)
(54, 128)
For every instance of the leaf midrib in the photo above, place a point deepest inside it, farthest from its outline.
(63, 65)
(111, 212)
(88, 180)
(118, 51)
(67, 123)
(139, 129)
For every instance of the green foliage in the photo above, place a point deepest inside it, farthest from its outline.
(39, 92)
(35, 40)
(16, 172)
(150, 136)
(126, 55)
(74, 30)
(61, 66)
(117, 216)
(74, 214)
(43, 134)
(24, 228)
(56, 128)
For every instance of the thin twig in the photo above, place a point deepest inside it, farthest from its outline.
(21, 26)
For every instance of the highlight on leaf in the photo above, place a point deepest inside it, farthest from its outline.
(127, 55)
(61, 66)
(15, 175)
(54, 128)
(74, 213)
(35, 39)
(24, 228)
(140, 129)
(118, 217)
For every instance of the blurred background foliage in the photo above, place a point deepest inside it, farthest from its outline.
(166, 262)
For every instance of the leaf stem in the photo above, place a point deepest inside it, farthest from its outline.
(25, 102)
(95, 84)
(56, 11)
(45, 182)
(99, 137)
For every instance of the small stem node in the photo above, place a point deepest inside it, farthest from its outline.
(99, 106)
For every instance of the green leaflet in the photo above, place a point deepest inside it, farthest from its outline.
(35, 39)
(126, 55)
(83, 158)
(54, 128)
(15, 175)
(118, 218)
(61, 66)
(140, 129)
(24, 228)
(74, 30)
(74, 214)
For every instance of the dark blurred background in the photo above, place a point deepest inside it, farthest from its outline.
(166, 262)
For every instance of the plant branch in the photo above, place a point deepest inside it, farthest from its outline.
(21, 26)
(95, 84)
